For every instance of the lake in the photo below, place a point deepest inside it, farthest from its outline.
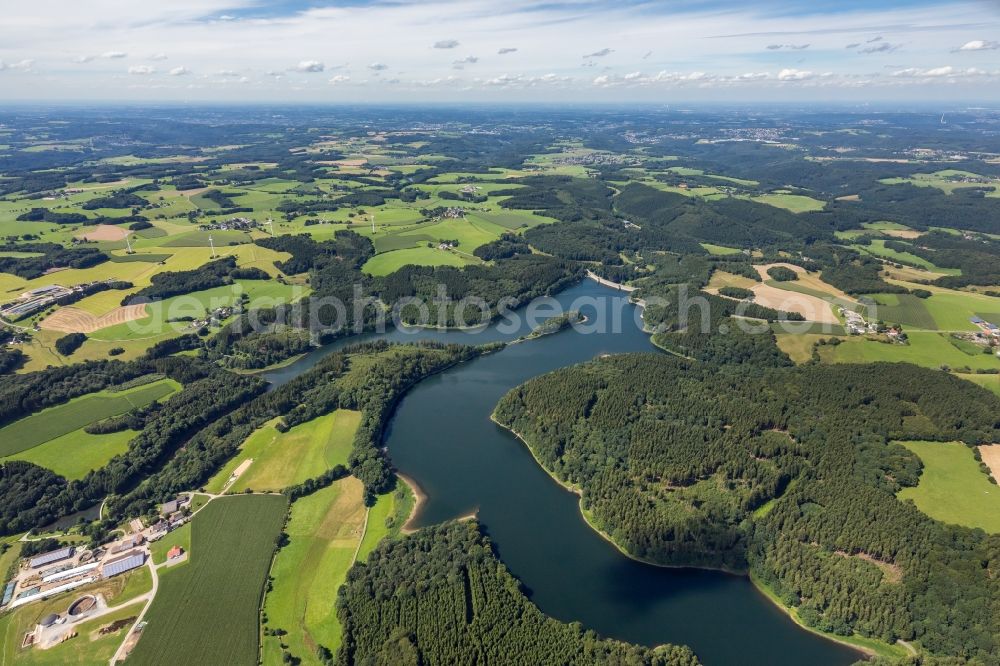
(442, 437)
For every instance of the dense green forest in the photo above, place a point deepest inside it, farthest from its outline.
(50, 256)
(441, 596)
(787, 472)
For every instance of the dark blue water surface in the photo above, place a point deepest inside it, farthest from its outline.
(441, 436)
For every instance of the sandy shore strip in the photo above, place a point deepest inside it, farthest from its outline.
(420, 498)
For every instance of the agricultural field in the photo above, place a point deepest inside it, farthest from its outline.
(926, 348)
(76, 453)
(328, 531)
(65, 422)
(878, 249)
(904, 309)
(282, 459)
(389, 262)
(206, 612)
(325, 531)
(952, 487)
(949, 180)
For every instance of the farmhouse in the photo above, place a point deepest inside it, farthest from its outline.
(174, 553)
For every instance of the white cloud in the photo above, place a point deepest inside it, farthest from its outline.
(141, 70)
(179, 71)
(378, 67)
(602, 80)
(158, 56)
(632, 76)
(790, 47)
(227, 73)
(22, 65)
(114, 55)
(979, 45)
(339, 78)
(948, 70)
(309, 66)
(794, 75)
(83, 59)
(880, 47)
(446, 44)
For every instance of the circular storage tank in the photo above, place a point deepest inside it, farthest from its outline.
(48, 620)
(82, 605)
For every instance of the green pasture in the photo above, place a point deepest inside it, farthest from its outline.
(952, 487)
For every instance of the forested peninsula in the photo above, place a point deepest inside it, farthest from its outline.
(788, 473)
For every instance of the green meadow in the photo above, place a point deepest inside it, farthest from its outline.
(952, 488)
(282, 459)
(328, 532)
(389, 262)
(926, 348)
(55, 422)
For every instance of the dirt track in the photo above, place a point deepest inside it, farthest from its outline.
(75, 320)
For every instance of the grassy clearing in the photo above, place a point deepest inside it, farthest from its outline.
(799, 347)
(952, 488)
(284, 459)
(75, 454)
(389, 262)
(324, 531)
(54, 422)
(207, 612)
(719, 250)
(795, 203)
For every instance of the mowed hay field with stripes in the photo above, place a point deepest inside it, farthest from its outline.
(207, 611)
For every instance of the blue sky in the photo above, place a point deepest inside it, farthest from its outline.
(511, 51)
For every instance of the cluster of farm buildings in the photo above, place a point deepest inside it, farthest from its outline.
(35, 300)
(48, 574)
